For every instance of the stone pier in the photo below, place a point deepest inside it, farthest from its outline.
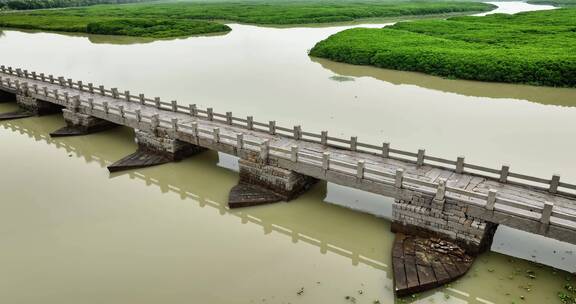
(262, 183)
(36, 106)
(81, 124)
(430, 215)
(155, 148)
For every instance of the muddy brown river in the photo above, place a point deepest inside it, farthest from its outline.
(72, 233)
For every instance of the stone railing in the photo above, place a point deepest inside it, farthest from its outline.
(360, 170)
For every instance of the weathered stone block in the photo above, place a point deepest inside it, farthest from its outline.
(162, 144)
(36, 106)
(85, 122)
(288, 184)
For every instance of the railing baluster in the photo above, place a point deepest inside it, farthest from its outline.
(460, 165)
(294, 153)
(546, 212)
(272, 127)
(326, 160)
(491, 200)
(360, 169)
(240, 140)
(420, 157)
(399, 178)
(554, 183)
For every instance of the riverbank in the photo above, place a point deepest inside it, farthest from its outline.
(534, 48)
(176, 19)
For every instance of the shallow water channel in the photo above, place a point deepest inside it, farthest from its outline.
(72, 233)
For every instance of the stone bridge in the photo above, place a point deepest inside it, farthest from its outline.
(433, 196)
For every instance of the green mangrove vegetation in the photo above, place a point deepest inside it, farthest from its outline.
(40, 4)
(180, 18)
(536, 48)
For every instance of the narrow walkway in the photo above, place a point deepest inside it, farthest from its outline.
(377, 169)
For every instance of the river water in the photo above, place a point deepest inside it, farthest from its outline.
(72, 233)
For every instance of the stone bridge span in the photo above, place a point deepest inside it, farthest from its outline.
(450, 198)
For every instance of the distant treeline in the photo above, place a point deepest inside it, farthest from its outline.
(39, 4)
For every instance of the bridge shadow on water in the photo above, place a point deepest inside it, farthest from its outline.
(370, 249)
(565, 97)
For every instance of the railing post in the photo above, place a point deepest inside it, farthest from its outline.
(441, 190)
(193, 110)
(460, 164)
(297, 132)
(294, 153)
(250, 122)
(554, 183)
(175, 124)
(264, 151)
(154, 122)
(45, 90)
(546, 212)
(326, 160)
(70, 82)
(42, 77)
(19, 72)
(272, 127)
(354, 143)
(360, 169)
(105, 106)
(174, 106)
(127, 95)
(102, 90)
(195, 132)
(33, 75)
(138, 116)
(210, 114)
(80, 85)
(51, 78)
(61, 81)
(399, 178)
(504, 173)
(121, 111)
(229, 118)
(91, 104)
(240, 140)
(157, 102)
(56, 94)
(114, 93)
(491, 200)
(386, 149)
(324, 138)
(420, 159)
(91, 88)
(76, 103)
(142, 99)
(216, 134)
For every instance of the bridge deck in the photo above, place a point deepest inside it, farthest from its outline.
(517, 203)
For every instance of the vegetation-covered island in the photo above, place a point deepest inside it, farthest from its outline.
(534, 47)
(182, 18)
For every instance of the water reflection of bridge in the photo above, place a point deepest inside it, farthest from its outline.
(337, 245)
(296, 231)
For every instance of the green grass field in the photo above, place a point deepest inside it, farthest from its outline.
(181, 18)
(536, 48)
